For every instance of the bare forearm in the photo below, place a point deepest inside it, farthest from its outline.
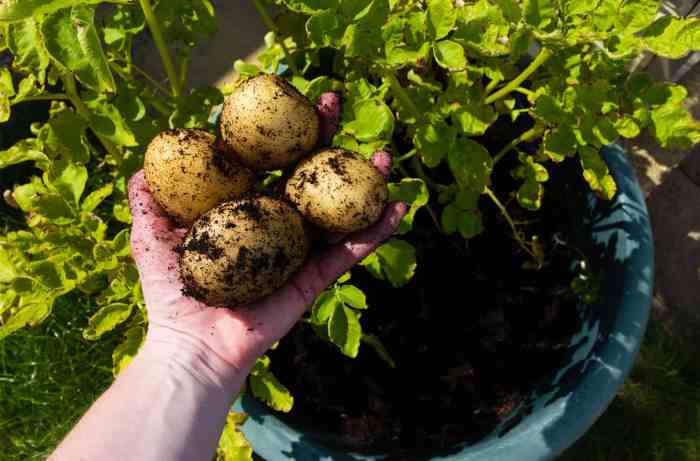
(169, 404)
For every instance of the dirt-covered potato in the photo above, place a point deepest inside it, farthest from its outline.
(268, 123)
(188, 175)
(242, 251)
(338, 190)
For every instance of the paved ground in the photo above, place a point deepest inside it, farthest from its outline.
(670, 179)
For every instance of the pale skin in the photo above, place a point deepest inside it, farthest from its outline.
(171, 401)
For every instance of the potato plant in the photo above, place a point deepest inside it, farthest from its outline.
(423, 79)
(427, 79)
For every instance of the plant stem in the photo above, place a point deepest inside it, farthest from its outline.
(270, 24)
(72, 92)
(44, 97)
(505, 214)
(184, 68)
(412, 153)
(541, 58)
(524, 91)
(154, 27)
(401, 95)
(529, 135)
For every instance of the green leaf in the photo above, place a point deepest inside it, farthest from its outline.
(414, 193)
(64, 136)
(72, 41)
(395, 260)
(450, 55)
(6, 91)
(373, 120)
(106, 319)
(122, 211)
(127, 349)
(364, 38)
(482, 29)
(7, 87)
(344, 330)
(70, 180)
(17, 10)
(27, 46)
(194, 109)
(399, 54)
(511, 9)
(596, 173)
(325, 28)
(539, 13)
(576, 7)
(29, 86)
(560, 143)
(25, 150)
(233, 446)
(450, 218)
(311, 6)
(530, 194)
(467, 200)
(7, 268)
(29, 315)
(441, 18)
(106, 120)
(471, 164)
(549, 110)
(96, 197)
(185, 23)
(379, 348)
(125, 22)
(245, 69)
(672, 38)
(627, 127)
(46, 273)
(324, 306)
(265, 387)
(469, 224)
(635, 15)
(474, 119)
(672, 124)
(353, 296)
(434, 140)
(120, 243)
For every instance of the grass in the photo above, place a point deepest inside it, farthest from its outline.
(49, 376)
(656, 415)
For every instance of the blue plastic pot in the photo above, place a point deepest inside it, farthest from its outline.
(616, 235)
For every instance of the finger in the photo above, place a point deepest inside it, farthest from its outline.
(324, 268)
(328, 109)
(154, 235)
(382, 162)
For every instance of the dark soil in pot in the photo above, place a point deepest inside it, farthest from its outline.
(471, 334)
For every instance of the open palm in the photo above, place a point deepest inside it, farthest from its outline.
(240, 334)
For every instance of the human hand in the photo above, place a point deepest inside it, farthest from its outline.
(235, 337)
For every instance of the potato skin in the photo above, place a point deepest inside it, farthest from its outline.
(338, 190)
(242, 251)
(268, 124)
(188, 175)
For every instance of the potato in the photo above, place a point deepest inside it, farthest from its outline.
(268, 123)
(188, 175)
(338, 190)
(242, 251)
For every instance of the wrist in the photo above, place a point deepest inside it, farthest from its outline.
(187, 355)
